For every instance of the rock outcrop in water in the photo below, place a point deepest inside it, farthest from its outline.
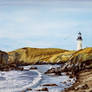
(4, 64)
(3, 57)
(9, 67)
(43, 89)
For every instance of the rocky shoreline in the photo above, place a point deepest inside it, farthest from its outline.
(79, 65)
(83, 82)
(10, 67)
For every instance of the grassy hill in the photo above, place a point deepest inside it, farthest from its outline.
(81, 59)
(38, 55)
(82, 55)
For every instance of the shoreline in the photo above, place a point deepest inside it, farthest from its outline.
(83, 79)
(9, 67)
(45, 86)
(83, 82)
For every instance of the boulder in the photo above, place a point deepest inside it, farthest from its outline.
(52, 70)
(33, 68)
(43, 89)
(55, 71)
(50, 85)
(28, 89)
(85, 86)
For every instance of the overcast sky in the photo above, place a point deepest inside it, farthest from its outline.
(44, 23)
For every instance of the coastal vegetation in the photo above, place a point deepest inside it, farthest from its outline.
(39, 56)
(75, 63)
(79, 65)
(80, 60)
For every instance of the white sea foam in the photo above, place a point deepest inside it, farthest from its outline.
(17, 81)
(35, 81)
(11, 84)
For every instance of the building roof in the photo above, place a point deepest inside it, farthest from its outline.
(79, 38)
(79, 33)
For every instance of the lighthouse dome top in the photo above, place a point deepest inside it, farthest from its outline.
(79, 33)
(79, 36)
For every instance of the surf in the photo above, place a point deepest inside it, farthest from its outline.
(16, 81)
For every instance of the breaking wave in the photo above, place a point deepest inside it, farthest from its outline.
(16, 81)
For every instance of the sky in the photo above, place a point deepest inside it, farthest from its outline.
(45, 23)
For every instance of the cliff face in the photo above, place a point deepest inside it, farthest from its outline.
(81, 59)
(3, 57)
(37, 55)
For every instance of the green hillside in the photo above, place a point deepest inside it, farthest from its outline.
(38, 55)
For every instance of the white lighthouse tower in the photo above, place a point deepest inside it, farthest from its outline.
(79, 41)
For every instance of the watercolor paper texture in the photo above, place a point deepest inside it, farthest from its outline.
(44, 23)
(45, 45)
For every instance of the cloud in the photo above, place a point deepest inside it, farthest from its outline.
(35, 30)
(39, 44)
(74, 10)
(62, 3)
(44, 24)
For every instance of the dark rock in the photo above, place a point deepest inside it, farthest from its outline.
(49, 85)
(33, 68)
(90, 91)
(69, 73)
(43, 89)
(63, 82)
(19, 68)
(4, 68)
(55, 71)
(69, 80)
(71, 76)
(52, 70)
(3, 58)
(85, 86)
(10, 67)
(28, 89)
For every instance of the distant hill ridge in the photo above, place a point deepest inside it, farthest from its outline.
(47, 55)
(39, 55)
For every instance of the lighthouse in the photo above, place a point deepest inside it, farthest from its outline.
(79, 41)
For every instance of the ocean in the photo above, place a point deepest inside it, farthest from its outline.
(17, 81)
